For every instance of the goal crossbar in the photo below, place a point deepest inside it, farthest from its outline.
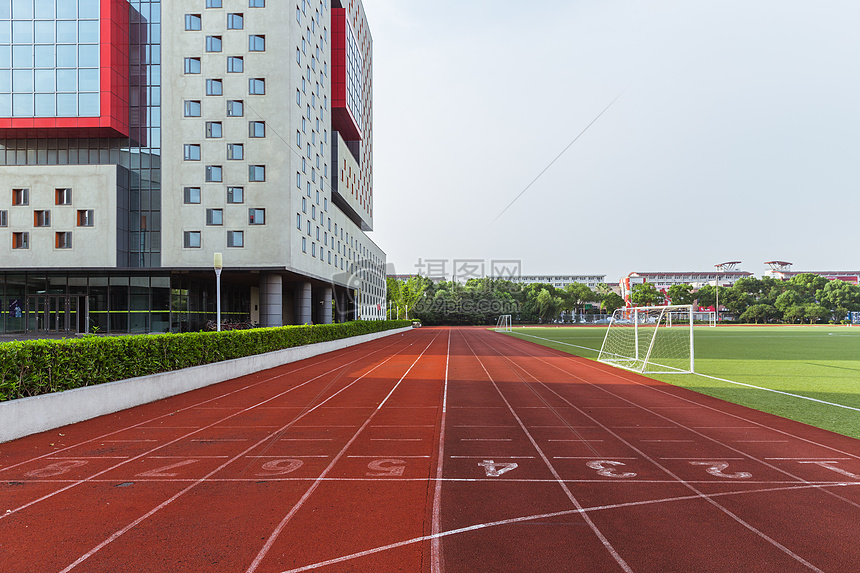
(503, 324)
(650, 339)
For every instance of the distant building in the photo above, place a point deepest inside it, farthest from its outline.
(561, 281)
(663, 280)
(782, 270)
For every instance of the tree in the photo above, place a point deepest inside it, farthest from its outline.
(611, 302)
(840, 298)
(759, 313)
(549, 306)
(646, 294)
(575, 295)
(681, 294)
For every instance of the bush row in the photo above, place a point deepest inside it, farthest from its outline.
(34, 367)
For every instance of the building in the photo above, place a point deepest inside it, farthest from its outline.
(662, 280)
(561, 281)
(137, 139)
(782, 270)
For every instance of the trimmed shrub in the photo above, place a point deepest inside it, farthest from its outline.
(34, 367)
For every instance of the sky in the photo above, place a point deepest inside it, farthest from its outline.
(736, 136)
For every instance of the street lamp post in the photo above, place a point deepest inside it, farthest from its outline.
(219, 264)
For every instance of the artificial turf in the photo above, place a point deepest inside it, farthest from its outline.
(821, 363)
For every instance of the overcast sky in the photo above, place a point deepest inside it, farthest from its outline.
(736, 136)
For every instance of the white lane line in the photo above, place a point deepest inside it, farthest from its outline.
(288, 457)
(669, 441)
(397, 439)
(761, 441)
(111, 458)
(495, 457)
(379, 457)
(826, 403)
(267, 546)
(436, 563)
(572, 440)
(525, 519)
(486, 440)
(306, 440)
(591, 458)
(126, 441)
(483, 427)
(220, 440)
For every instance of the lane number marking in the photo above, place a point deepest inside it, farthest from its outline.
(386, 468)
(57, 468)
(716, 469)
(602, 470)
(832, 467)
(162, 471)
(495, 469)
(280, 467)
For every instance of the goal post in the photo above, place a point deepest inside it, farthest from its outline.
(650, 339)
(503, 324)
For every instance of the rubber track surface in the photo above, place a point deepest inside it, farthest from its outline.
(438, 450)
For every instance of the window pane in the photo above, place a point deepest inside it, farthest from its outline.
(234, 21)
(67, 56)
(67, 105)
(67, 80)
(235, 195)
(256, 43)
(67, 32)
(257, 129)
(46, 105)
(22, 56)
(89, 56)
(44, 56)
(192, 65)
(213, 129)
(88, 80)
(192, 21)
(44, 32)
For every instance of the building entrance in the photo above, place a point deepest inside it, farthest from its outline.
(55, 313)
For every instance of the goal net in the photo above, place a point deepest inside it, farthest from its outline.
(650, 339)
(504, 323)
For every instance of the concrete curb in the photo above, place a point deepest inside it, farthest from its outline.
(25, 416)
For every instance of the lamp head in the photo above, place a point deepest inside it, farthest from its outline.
(219, 261)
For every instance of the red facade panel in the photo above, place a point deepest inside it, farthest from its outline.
(113, 120)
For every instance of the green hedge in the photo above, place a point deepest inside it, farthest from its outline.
(34, 367)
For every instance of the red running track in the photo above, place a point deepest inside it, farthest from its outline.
(440, 450)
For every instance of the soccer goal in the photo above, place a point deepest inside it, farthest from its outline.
(504, 323)
(650, 339)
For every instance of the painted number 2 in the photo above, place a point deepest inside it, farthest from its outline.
(716, 469)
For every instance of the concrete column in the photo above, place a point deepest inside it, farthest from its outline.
(303, 303)
(271, 293)
(326, 306)
(341, 306)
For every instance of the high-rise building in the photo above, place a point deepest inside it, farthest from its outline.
(138, 139)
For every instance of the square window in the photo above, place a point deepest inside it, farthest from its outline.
(63, 196)
(191, 195)
(256, 43)
(192, 65)
(214, 88)
(235, 151)
(63, 240)
(192, 22)
(235, 64)
(235, 239)
(41, 218)
(213, 43)
(256, 216)
(213, 173)
(257, 86)
(256, 173)
(20, 196)
(191, 239)
(86, 218)
(192, 152)
(192, 108)
(214, 217)
(235, 108)
(213, 3)
(213, 129)
(235, 21)
(20, 240)
(256, 129)
(235, 195)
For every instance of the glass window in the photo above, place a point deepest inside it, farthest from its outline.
(20, 240)
(213, 173)
(67, 80)
(256, 216)
(41, 218)
(214, 217)
(63, 240)
(88, 56)
(22, 80)
(235, 108)
(88, 32)
(213, 129)
(213, 3)
(44, 56)
(44, 32)
(22, 32)
(213, 43)
(46, 105)
(256, 3)
(235, 151)
(257, 86)
(44, 9)
(192, 152)
(86, 218)
(63, 196)
(67, 56)
(192, 22)
(214, 88)
(256, 173)
(192, 65)
(88, 9)
(88, 80)
(88, 105)
(235, 239)
(257, 129)
(256, 43)
(191, 195)
(235, 194)
(4, 218)
(192, 239)
(192, 108)
(235, 21)
(235, 64)
(67, 105)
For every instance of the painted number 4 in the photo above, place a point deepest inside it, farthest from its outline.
(495, 469)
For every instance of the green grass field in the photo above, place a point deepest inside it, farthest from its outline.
(807, 373)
